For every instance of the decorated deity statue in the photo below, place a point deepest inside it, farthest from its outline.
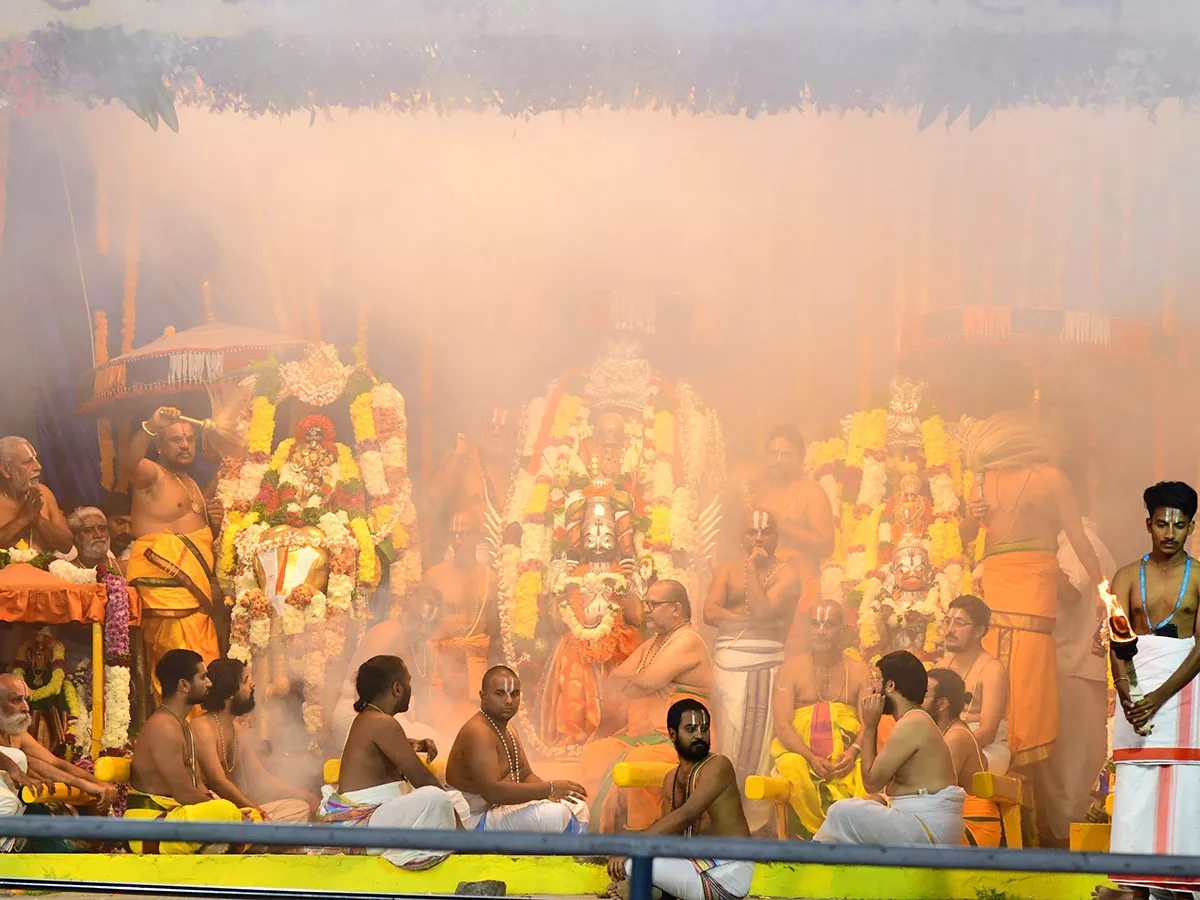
(907, 513)
(903, 417)
(597, 599)
(53, 701)
(615, 485)
(904, 610)
(305, 518)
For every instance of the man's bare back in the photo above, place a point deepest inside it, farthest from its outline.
(928, 766)
(377, 751)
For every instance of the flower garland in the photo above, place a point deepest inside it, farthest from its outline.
(23, 667)
(672, 448)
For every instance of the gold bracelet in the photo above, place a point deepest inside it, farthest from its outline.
(147, 430)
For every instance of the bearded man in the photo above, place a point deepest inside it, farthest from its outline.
(165, 780)
(171, 563)
(118, 509)
(26, 763)
(225, 750)
(28, 510)
(89, 530)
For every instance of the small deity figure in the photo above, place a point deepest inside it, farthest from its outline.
(41, 662)
(599, 604)
(311, 465)
(903, 418)
(908, 512)
(904, 611)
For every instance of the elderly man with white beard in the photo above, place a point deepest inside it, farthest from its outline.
(26, 763)
(28, 510)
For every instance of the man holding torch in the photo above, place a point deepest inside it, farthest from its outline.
(1156, 747)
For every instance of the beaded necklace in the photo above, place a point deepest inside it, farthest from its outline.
(512, 753)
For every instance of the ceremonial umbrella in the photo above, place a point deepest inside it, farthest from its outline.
(182, 361)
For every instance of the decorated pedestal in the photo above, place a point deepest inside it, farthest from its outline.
(896, 481)
(621, 433)
(37, 589)
(305, 519)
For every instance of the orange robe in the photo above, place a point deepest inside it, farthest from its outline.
(173, 617)
(1019, 586)
(643, 739)
(571, 698)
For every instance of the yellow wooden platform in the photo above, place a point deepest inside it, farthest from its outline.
(544, 876)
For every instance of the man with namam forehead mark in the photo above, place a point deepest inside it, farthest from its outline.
(699, 796)
(489, 765)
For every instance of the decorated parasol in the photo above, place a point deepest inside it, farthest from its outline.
(182, 361)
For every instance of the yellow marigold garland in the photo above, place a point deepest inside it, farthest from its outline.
(282, 452)
(525, 604)
(664, 434)
(659, 531)
(539, 499)
(367, 570)
(261, 430)
(565, 415)
(347, 467)
(937, 449)
(362, 417)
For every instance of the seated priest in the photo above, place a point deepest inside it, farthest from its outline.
(26, 763)
(700, 796)
(407, 634)
(89, 532)
(671, 665)
(488, 764)
(29, 513)
(923, 803)
(945, 702)
(817, 733)
(166, 782)
(383, 783)
(225, 750)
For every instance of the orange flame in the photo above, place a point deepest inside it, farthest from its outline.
(1118, 623)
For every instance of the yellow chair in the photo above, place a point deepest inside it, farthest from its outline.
(114, 769)
(640, 774)
(1093, 837)
(777, 791)
(1006, 792)
(332, 770)
(109, 769)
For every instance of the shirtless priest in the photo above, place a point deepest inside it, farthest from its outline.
(489, 766)
(923, 803)
(171, 558)
(700, 796)
(1157, 779)
(383, 783)
(165, 782)
(225, 750)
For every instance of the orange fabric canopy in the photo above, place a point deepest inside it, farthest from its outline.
(27, 594)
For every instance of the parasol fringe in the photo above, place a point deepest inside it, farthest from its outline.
(1084, 328)
(195, 367)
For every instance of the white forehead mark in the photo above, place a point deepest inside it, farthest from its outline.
(696, 718)
(509, 684)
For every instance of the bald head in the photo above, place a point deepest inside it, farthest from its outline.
(500, 694)
(15, 717)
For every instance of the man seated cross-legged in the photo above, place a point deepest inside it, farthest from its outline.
(383, 783)
(945, 701)
(488, 764)
(225, 750)
(700, 796)
(923, 803)
(165, 782)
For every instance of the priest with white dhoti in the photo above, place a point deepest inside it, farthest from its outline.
(488, 764)
(1156, 741)
(920, 801)
(383, 783)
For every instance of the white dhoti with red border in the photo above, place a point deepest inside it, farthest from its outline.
(1158, 775)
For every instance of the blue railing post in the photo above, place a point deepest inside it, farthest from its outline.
(640, 882)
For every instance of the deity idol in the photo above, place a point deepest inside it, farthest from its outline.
(907, 513)
(908, 608)
(596, 604)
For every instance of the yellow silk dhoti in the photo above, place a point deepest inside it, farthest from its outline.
(153, 806)
(982, 821)
(643, 739)
(828, 728)
(1019, 587)
(173, 615)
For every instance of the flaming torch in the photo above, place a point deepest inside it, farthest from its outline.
(1124, 646)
